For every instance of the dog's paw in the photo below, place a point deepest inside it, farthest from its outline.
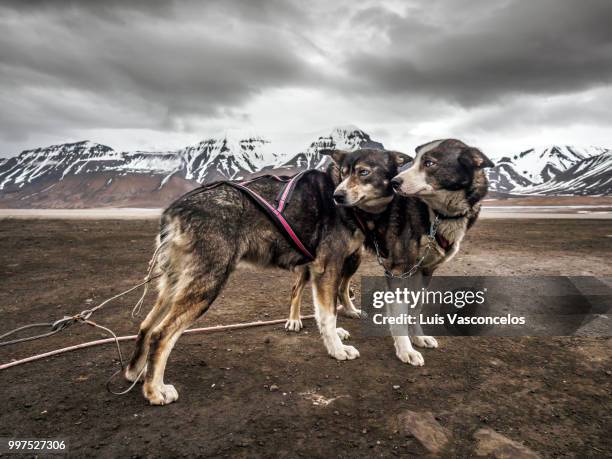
(345, 353)
(131, 374)
(351, 313)
(293, 325)
(163, 394)
(343, 334)
(412, 357)
(424, 341)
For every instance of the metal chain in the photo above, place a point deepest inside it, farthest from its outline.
(431, 237)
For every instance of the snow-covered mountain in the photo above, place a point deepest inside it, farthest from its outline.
(57, 162)
(589, 176)
(86, 174)
(227, 157)
(82, 171)
(343, 138)
(533, 171)
(543, 165)
(214, 158)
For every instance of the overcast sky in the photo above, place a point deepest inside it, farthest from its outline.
(503, 75)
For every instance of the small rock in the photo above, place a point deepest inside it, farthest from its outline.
(425, 428)
(491, 443)
(273, 388)
(396, 387)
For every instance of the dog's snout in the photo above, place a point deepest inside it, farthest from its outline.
(396, 183)
(339, 197)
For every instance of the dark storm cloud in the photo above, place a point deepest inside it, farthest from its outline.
(482, 51)
(159, 65)
(200, 60)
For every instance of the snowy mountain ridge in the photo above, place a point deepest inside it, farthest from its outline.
(91, 170)
(229, 155)
(532, 171)
(348, 138)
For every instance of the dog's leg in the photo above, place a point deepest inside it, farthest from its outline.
(406, 353)
(424, 341)
(347, 307)
(324, 294)
(181, 315)
(346, 294)
(141, 349)
(403, 347)
(198, 286)
(294, 323)
(162, 341)
(418, 338)
(143, 339)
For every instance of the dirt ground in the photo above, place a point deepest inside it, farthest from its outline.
(550, 201)
(554, 395)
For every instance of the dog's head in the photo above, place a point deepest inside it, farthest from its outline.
(441, 166)
(365, 177)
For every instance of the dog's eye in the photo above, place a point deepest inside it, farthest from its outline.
(428, 163)
(363, 172)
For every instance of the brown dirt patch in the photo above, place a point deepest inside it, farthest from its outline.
(551, 394)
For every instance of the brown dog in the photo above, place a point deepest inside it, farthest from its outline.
(204, 235)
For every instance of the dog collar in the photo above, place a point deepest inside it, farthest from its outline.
(449, 217)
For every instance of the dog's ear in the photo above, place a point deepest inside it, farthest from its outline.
(428, 146)
(473, 158)
(337, 155)
(400, 159)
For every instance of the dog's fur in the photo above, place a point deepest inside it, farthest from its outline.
(205, 235)
(447, 176)
(452, 187)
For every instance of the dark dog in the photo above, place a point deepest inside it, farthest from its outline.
(205, 235)
(359, 178)
(446, 181)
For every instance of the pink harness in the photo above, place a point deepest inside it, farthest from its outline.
(274, 213)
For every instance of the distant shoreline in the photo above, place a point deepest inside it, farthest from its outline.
(584, 212)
